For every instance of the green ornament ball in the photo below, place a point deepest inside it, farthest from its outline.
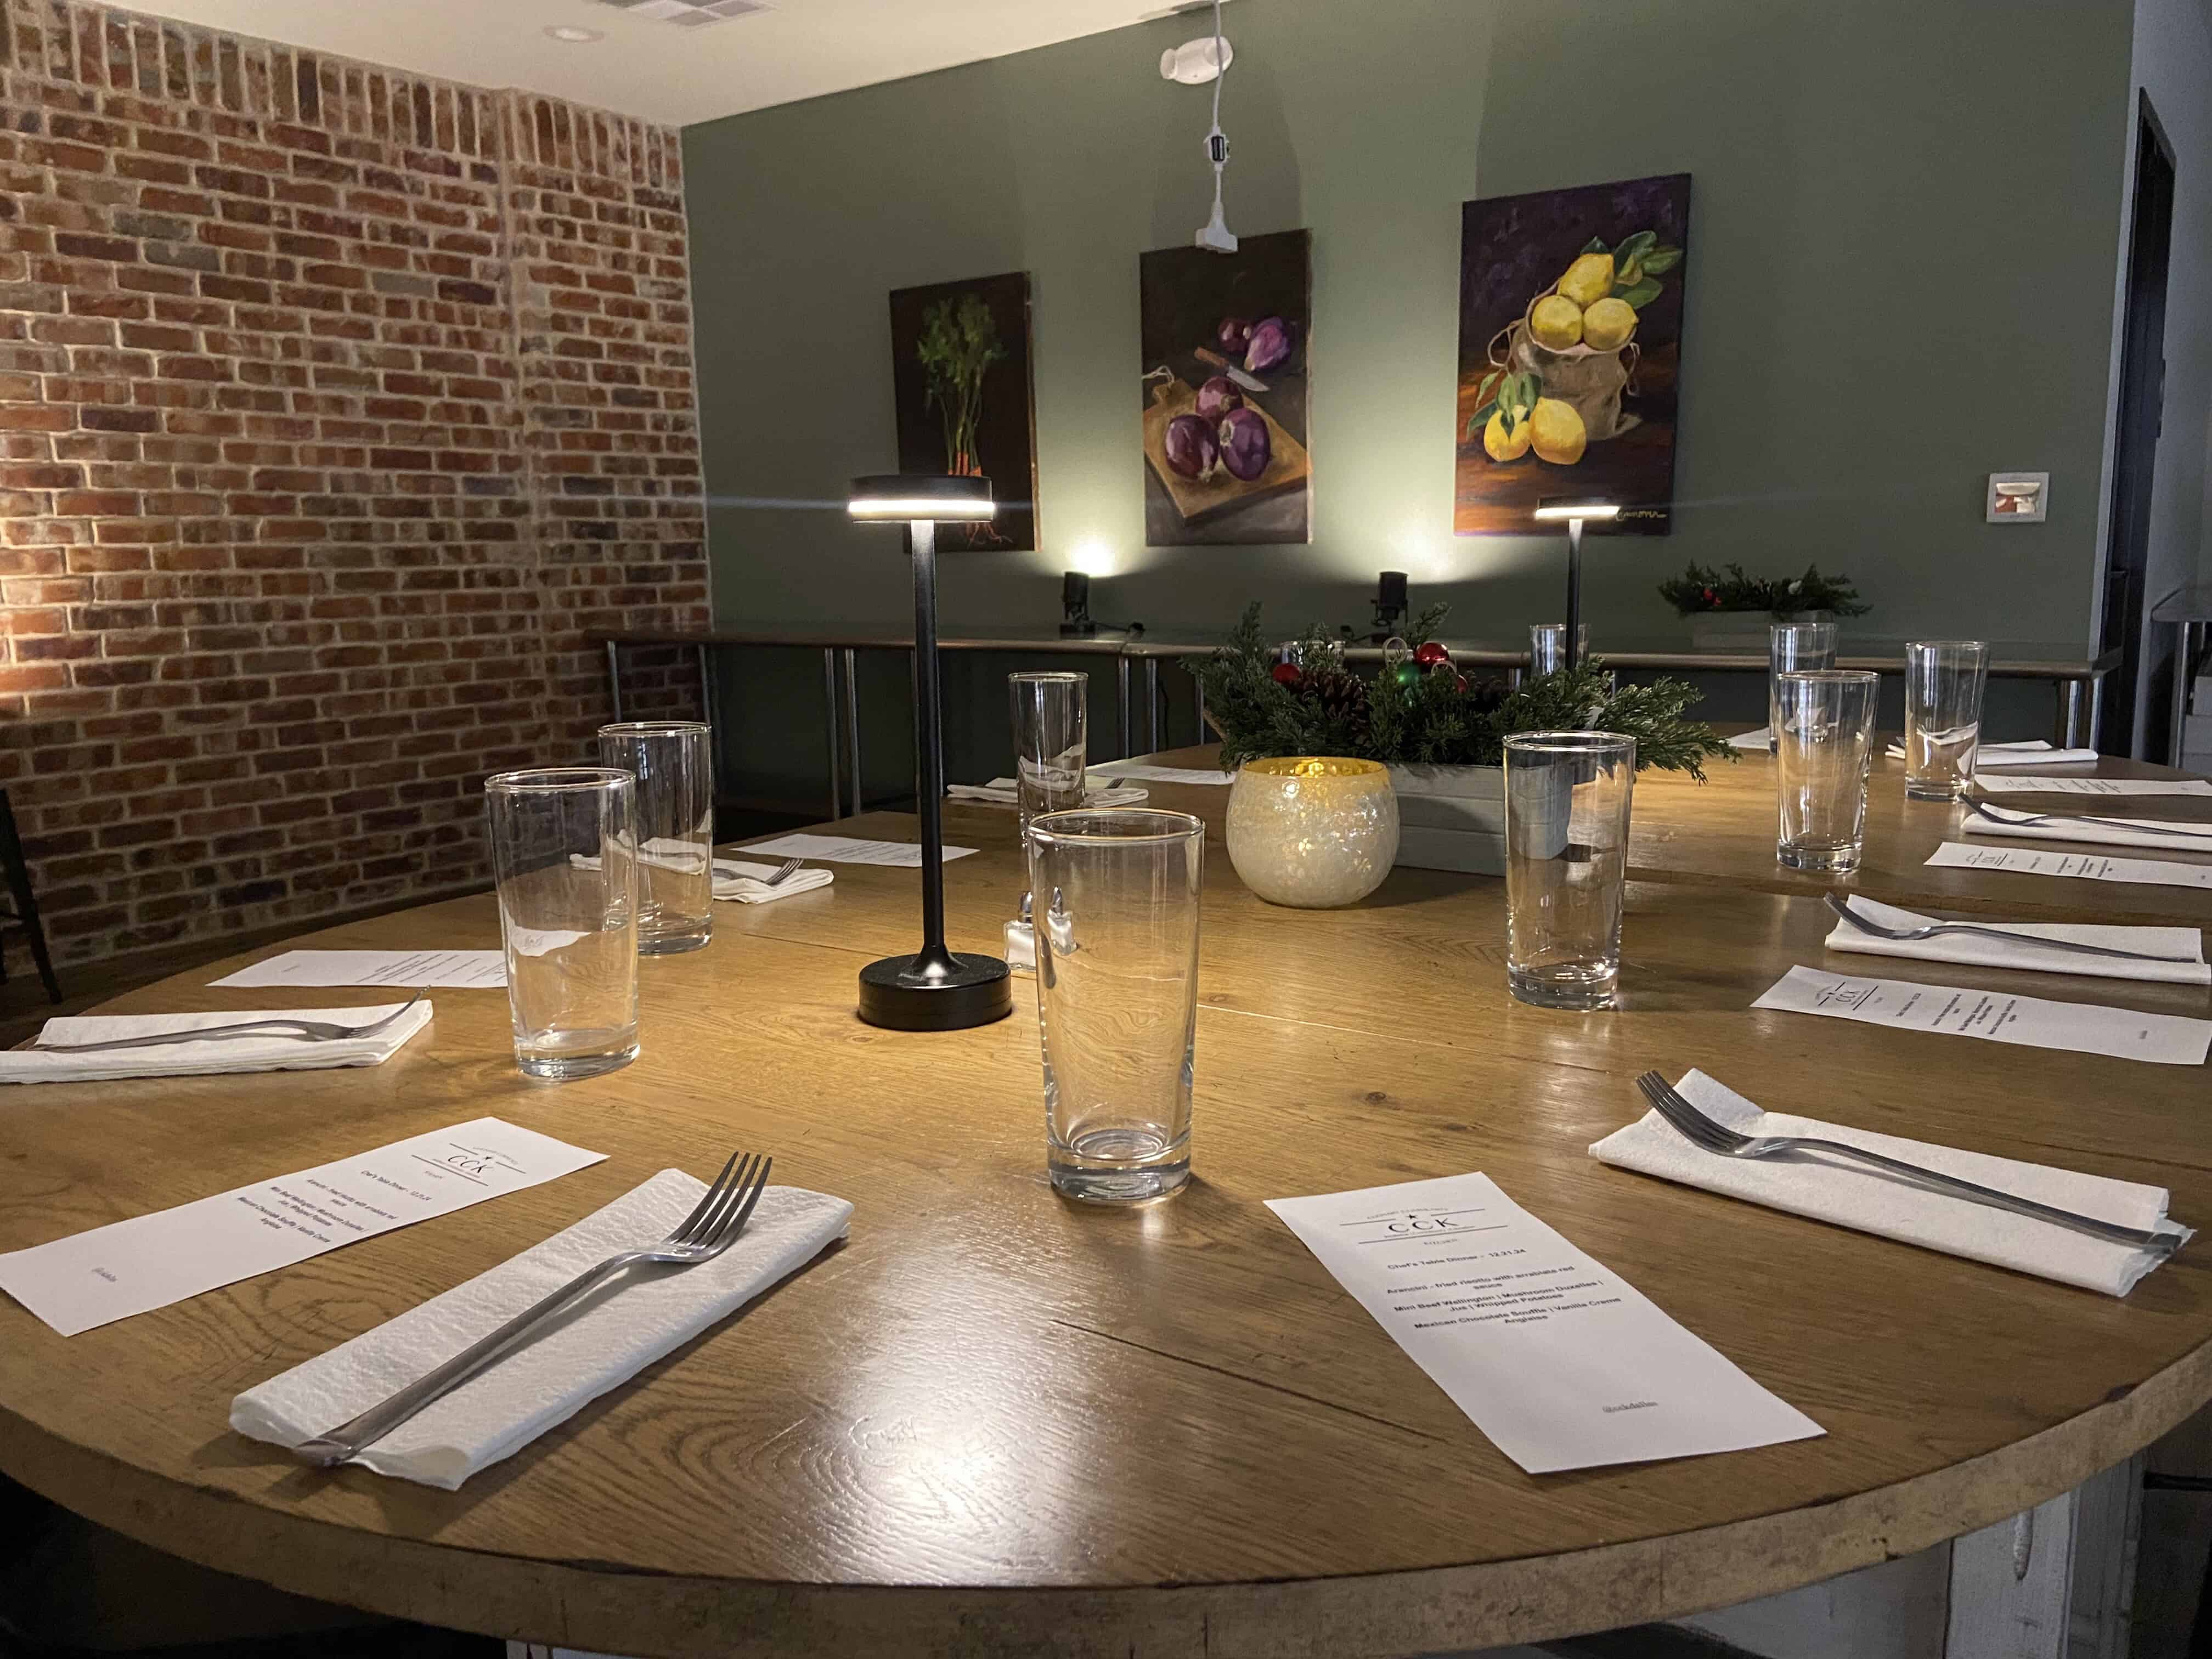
(1408, 673)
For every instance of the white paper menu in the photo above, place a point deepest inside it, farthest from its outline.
(2010, 783)
(450, 971)
(126, 1267)
(1954, 1011)
(849, 849)
(2161, 872)
(1560, 1360)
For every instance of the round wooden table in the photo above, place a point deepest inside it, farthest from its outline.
(994, 1422)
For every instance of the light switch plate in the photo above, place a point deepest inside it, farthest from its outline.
(2018, 497)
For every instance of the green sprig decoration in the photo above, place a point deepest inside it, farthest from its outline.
(1430, 719)
(1698, 590)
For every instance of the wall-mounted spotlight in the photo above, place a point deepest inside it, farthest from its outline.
(1389, 605)
(1075, 606)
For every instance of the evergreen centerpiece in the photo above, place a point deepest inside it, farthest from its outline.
(1699, 592)
(1423, 712)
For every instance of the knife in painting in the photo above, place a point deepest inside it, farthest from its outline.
(1248, 382)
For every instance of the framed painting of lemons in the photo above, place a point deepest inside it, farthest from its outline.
(1570, 352)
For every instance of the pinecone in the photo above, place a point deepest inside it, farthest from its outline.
(1339, 698)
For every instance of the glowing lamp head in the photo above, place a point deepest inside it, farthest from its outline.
(937, 498)
(1554, 509)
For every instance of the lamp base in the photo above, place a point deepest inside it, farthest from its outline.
(896, 994)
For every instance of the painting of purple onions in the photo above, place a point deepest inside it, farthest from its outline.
(1226, 392)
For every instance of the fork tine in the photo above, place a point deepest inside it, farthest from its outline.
(732, 1195)
(1707, 1131)
(421, 991)
(1691, 1124)
(683, 1229)
(1655, 1090)
(735, 1223)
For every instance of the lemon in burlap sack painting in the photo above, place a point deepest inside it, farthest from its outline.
(1570, 351)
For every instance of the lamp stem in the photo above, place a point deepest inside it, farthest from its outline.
(1573, 651)
(928, 751)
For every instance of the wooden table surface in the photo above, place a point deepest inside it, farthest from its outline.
(995, 1422)
(1721, 833)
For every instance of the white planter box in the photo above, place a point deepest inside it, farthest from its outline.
(1451, 817)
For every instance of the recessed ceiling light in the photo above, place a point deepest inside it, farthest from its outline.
(571, 34)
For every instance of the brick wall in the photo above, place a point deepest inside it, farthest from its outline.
(338, 408)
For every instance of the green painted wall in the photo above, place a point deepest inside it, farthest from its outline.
(1905, 228)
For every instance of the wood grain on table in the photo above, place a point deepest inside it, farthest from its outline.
(1721, 833)
(995, 1422)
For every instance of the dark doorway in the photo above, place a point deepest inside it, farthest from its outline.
(2142, 398)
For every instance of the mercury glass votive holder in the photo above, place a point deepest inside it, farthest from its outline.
(1313, 831)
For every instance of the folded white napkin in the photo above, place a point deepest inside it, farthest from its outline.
(1003, 791)
(260, 1052)
(599, 1344)
(747, 884)
(1762, 739)
(1830, 1188)
(660, 853)
(2108, 830)
(2005, 953)
(2034, 752)
(1140, 771)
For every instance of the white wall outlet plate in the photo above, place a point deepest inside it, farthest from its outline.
(2018, 497)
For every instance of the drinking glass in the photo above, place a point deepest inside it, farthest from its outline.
(1826, 733)
(1943, 683)
(1547, 646)
(1117, 997)
(1792, 647)
(1567, 796)
(674, 765)
(1051, 743)
(564, 852)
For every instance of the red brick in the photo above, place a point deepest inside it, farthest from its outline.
(306, 498)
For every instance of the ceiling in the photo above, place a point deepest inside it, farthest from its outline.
(661, 70)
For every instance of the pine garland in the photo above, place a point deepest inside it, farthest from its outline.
(1698, 591)
(1432, 721)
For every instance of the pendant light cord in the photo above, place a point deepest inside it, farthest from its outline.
(1217, 138)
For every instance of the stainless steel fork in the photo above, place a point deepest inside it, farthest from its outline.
(2200, 833)
(1715, 1136)
(704, 1234)
(308, 1030)
(1842, 907)
(789, 868)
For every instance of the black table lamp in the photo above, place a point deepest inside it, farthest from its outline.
(934, 989)
(1576, 510)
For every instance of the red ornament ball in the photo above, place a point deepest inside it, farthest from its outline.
(1286, 673)
(1429, 654)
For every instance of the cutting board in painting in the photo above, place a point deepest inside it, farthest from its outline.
(1227, 397)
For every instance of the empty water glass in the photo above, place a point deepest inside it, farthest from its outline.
(1567, 800)
(1117, 997)
(564, 852)
(1792, 647)
(1825, 725)
(1943, 684)
(1547, 647)
(1051, 741)
(674, 765)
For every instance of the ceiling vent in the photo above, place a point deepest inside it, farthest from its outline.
(689, 13)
